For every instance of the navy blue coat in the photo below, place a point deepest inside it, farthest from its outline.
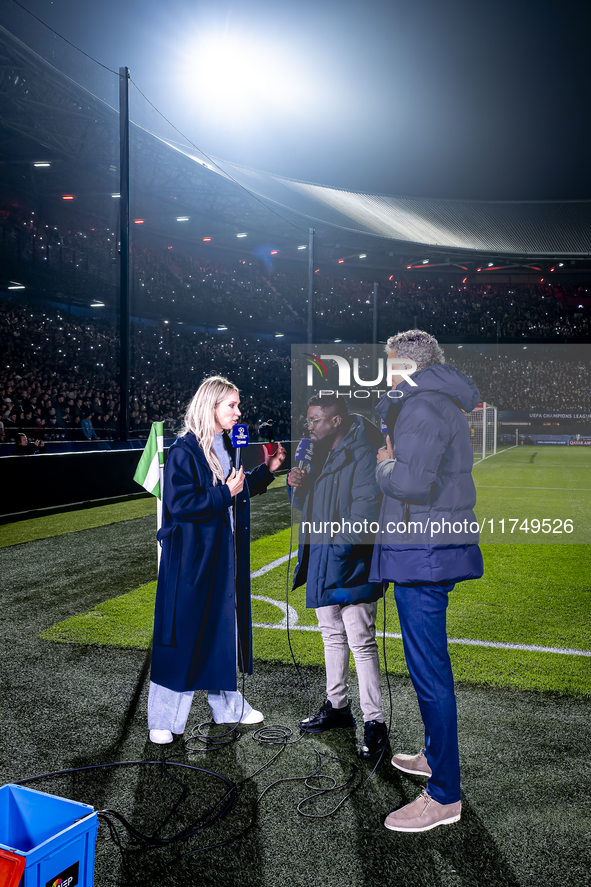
(341, 486)
(428, 481)
(197, 597)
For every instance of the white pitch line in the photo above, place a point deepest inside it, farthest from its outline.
(468, 642)
(560, 489)
(272, 565)
(497, 645)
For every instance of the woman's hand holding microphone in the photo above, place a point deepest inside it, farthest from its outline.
(235, 481)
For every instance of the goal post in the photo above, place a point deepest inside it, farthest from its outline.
(483, 424)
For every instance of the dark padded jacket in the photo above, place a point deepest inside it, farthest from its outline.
(427, 519)
(341, 489)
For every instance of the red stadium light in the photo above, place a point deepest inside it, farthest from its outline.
(551, 269)
(274, 252)
(409, 266)
(170, 247)
(206, 239)
(391, 277)
(138, 221)
(68, 197)
(479, 269)
(464, 280)
(341, 261)
(317, 271)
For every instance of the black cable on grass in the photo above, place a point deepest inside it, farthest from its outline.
(293, 659)
(275, 734)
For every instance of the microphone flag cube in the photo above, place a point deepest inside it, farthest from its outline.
(239, 435)
(304, 453)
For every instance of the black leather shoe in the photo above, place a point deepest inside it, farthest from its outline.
(328, 718)
(375, 739)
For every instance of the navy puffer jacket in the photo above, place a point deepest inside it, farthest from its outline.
(427, 519)
(341, 488)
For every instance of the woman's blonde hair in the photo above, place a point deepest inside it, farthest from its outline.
(200, 419)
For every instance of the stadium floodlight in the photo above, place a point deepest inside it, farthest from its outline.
(15, 286)
(560, 264)
(490, 264)
(279, 335)
(235, 77)
(302, 247)
(41, 163)
(97, 305)
(138, 221)
(425, 261)
(242, 235)
(338, 340)
(363, 256)
(67, 196)
(165, 321)
(206, 239)
(221, 328)
(182, 218)
(115, 195)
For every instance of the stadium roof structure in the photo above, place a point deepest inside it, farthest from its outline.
(42, 108)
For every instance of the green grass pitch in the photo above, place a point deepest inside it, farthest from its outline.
(531, 594)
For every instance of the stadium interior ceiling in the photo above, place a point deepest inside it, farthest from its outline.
(59, 145)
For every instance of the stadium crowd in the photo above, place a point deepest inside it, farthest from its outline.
(82, 263)
(59, 376)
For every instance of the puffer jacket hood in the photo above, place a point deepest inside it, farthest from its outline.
(440, 379)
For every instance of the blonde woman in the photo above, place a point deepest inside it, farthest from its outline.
(202, 624)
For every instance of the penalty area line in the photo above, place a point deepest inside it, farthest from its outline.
(469, 642)
(289, 612)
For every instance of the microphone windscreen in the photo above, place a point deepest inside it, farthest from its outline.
(304, 451)
(239, 435)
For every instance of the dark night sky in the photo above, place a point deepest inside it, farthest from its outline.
(467, 98)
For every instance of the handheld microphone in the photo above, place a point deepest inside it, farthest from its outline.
(239, 435)
(304, 453)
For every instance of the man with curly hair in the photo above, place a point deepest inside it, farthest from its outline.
(427, 544)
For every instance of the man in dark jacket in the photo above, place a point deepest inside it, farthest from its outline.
(429, 542)
(339, 501)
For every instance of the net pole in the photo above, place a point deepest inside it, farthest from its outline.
(484, 430)
(310, 285)
(375, 313)
(496, 414)
(124, 253)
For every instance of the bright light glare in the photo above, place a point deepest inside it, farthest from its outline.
(241, 235)
(301, 247)
(241, 76)
(182, 218)
(41, 164)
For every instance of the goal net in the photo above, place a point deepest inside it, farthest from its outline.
(483, 429)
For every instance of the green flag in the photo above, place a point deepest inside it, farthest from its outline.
(147, 474)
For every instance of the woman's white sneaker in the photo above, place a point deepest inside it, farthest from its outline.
(160, 737)
(254, 717)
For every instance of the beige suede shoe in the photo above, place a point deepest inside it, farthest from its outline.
(416, 765)
(423, 814)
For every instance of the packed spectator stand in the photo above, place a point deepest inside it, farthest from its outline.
(199, 312)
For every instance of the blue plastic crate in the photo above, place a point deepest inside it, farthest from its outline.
(56, 836)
